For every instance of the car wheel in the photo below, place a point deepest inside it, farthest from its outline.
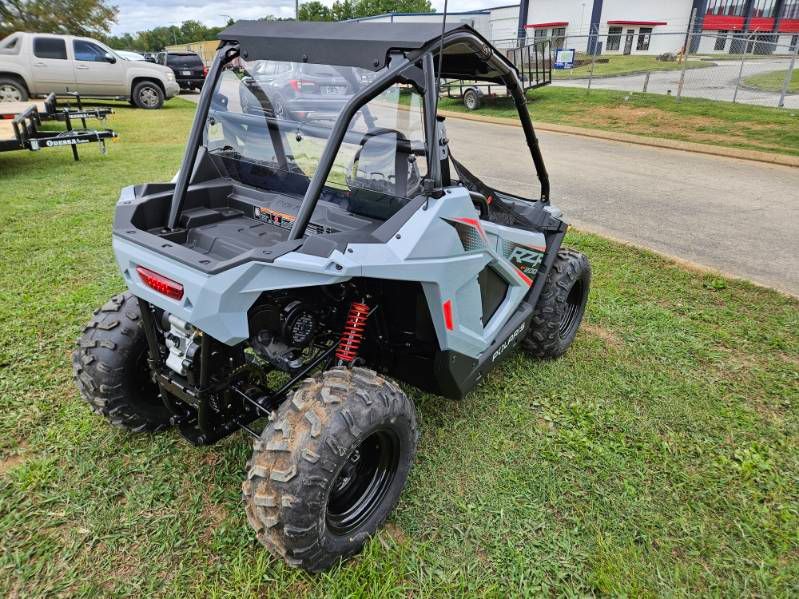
(12, 90)
(471, 99)
(148, 95)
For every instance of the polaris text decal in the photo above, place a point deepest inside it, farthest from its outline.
(508, 342)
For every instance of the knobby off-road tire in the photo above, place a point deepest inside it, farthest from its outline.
(330, 467)
(110, 368)
(561, 306)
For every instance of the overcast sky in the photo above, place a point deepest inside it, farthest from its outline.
(136, 15)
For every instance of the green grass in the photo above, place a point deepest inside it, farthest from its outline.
(703, 121)
(774, 81)
(660, 456)
(625, 65)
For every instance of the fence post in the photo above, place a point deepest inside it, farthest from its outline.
(685, 52)
(646, 81)
(788, 77)
(741, 70)
(593, 58)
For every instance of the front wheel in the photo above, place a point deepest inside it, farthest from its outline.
(148, 95)
(12, 90)
(330, 467)
(560, 308)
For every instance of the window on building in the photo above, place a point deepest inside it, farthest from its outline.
(88, 52)
(50, 47)
(540, 35)
(721, 40)
(790, 10)
(729, 8)
(614, 38)
(558, 38)
(794, 43)
(644, 37)
(764, 8)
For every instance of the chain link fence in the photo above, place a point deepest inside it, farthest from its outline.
(750, 68)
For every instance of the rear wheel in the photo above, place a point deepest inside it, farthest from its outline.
(12, 90)
(111, 370)
(330, 467)
(147, 95)
(561, 306)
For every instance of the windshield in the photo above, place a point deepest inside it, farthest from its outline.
(270, 121)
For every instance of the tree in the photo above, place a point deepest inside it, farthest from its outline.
(314, 11)
(78, 17)
(368, 8)
(342, 10)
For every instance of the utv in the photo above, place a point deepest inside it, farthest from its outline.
(296, 263)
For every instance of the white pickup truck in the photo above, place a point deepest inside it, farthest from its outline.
(35, 64)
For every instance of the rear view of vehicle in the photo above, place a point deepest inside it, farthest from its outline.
(188, 67)
(320, 242)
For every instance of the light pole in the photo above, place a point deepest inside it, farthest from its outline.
(297, 10)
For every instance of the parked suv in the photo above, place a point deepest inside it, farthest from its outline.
(295, 91)
(188, 67)
(34, 64)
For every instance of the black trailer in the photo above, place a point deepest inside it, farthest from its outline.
(20, 125)
(532, 61)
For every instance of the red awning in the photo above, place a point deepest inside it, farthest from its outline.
(789, 26)
(545, 25)
(761, 24)
(723, 23)
(644, 23)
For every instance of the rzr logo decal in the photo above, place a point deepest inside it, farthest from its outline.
(526, 260)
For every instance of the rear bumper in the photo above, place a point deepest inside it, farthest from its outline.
(190, 81)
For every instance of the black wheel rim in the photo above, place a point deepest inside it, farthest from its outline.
(574, 306)
(363, 482)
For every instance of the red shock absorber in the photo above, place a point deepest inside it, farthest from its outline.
(352, 335)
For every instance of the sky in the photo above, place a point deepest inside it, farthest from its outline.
(137, 15)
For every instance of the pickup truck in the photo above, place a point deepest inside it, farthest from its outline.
(35, 64)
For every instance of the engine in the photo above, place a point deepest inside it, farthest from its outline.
(284, 328)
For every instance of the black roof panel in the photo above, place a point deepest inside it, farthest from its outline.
(364, 45)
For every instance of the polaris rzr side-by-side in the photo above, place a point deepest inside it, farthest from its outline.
(315, 247)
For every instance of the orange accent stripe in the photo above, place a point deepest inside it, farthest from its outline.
(524, 277)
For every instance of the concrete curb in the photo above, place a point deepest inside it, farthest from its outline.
(656, 142)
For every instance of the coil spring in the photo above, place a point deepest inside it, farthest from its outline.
(352, 335)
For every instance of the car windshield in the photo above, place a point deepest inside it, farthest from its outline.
(270, 121)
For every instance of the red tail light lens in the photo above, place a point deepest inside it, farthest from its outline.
(159, 283)
(205, 71)
(298, 85)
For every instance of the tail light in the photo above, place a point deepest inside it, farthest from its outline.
(205, 71)
(160, 283)
(298, 85)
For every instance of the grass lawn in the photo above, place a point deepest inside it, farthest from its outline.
(625, 65)
(774, 81)
(660, 456)
(703, 121)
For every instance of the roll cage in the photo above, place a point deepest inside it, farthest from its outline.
(405, 59)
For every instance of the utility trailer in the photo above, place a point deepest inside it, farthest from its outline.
(20, 125)
(532, 61)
